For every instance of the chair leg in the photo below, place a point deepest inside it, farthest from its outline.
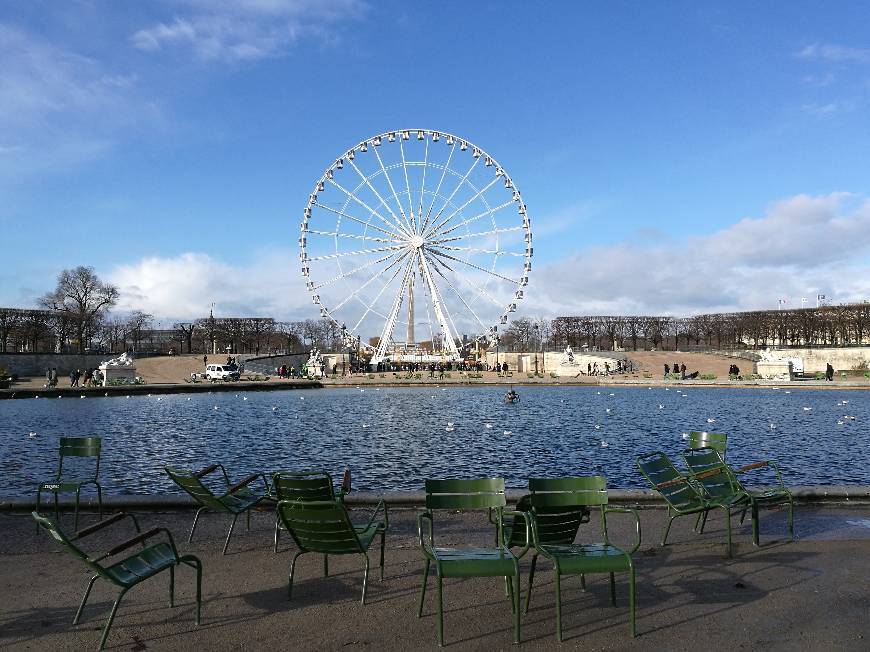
(325, 565)
(56, 508)
(754, 516)
(196, 564)
(703, 523)
(84, 600)
(516, 604)
(383, 534)
(668, 527)
(111, 619)
(38, 501)
(631, 599)
(365, 579)
(99, 499)
(582, 582)
(612, 589)
(440, 611)
(276, 533)
(230, 533)
(791, 518)
(728, 530)
(531, 580)
(172, 586)
(195, 520)
(292, 568)
(558, 606)
(697, 522)
(423, 589)
(76, 512)
(248, 525)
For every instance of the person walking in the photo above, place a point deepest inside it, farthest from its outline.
(667, 370)
(72, 378)
(683, 370)
(829, 373)
(205, 360)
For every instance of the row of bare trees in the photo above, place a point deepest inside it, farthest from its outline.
(841, 325)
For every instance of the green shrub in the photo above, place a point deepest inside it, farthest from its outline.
(820, 375)
(553, 374)
(530, 375)
(708, 377)
(372, 376)
(447, 374)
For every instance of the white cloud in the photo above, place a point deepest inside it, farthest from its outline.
(244, 30)
(803, 245)
(185, 286)
(58, 108)
(835, 53)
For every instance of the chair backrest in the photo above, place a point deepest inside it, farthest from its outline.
(478, 493)
(711, 471)
(319, 526)
(667, 480)
(560, 505)
(716, 440)
(304, 485)
(51, 527)
(80, 447)
(194, 486)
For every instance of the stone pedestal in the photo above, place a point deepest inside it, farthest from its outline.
(774, 369)
(112, 372)
(568, 369)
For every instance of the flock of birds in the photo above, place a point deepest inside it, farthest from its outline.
(451, 426)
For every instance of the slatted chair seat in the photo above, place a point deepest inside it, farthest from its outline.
(471, 561)
(237, 499)
(323, 526)
(557, 507)
(708, 468)
(131, 570)
(80, 448)
(684, 495)
(307, 486)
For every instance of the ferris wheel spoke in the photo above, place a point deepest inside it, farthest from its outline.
(441, 254)
(423, 185)
(438, 189)
(474, 218)
(395, 236)
(497, 252)
(480, 290)
(336, 234)
(353, 271)
(359, 252)
(479, 234)
(479, 193)
(462, 180)
(408, 186)
(461, 298)
(438, 304)
(398, 223)
(409, 228)
(370, 308)
(387, 332)
(378, 274)
(363, 204)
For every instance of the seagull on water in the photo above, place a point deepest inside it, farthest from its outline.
(711, 420)
(487, 425)
(685, 435)
(31, 434)
(604, 444)
(508, 433)
(807, 409)
(661, 407)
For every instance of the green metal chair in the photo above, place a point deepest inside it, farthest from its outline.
(557, 507)
(129, 571)
(236, 499)
(324, 526)
(497, 561)
(715, 440)
(684, 496)
(709, 469)
(307, 486)
(75, 447)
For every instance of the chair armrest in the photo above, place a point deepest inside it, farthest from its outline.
(671, 483)
(140, 538)
(528, 518)
(420, 517)
(209, 469)
(623, 510)
(381, 506)
(244, 483)
(753, 466)
(81, 534)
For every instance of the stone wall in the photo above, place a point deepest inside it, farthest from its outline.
(816, 359)
(36, 364)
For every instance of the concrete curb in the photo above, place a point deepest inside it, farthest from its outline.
(138, 390)
(817, 494)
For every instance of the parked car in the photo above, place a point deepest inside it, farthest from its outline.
(215, 372)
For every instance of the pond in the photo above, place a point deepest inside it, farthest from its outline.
(393, 438)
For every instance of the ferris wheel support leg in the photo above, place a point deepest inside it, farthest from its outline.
(439, 308)
(387, 332)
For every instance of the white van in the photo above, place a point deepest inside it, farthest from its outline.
(215, 372)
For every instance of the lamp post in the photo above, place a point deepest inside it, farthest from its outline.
(543, 358)
(344, 344)
(537, 331)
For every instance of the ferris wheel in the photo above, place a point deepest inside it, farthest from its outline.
(416, 236)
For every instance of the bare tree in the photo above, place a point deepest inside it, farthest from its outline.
(81, 295)
(185, 334)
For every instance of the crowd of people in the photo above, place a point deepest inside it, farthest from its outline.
(90, 378)
(621, 367)
(680, 370)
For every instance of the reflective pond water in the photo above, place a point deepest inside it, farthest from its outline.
(392, 438)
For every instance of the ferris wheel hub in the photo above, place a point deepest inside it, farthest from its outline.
(417, 241)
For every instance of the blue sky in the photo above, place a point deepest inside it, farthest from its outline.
(675, 157)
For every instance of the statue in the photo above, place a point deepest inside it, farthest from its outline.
(568, 358)
(123, 360)
(314, 364)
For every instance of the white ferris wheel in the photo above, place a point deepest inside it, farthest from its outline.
(413, 217)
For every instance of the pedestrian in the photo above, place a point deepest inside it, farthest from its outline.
(72, 378)
(667, 370)
(683, 370)
(48, 377)
(504, 368)
(53, 378)
(829, 372)
(205, 360)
